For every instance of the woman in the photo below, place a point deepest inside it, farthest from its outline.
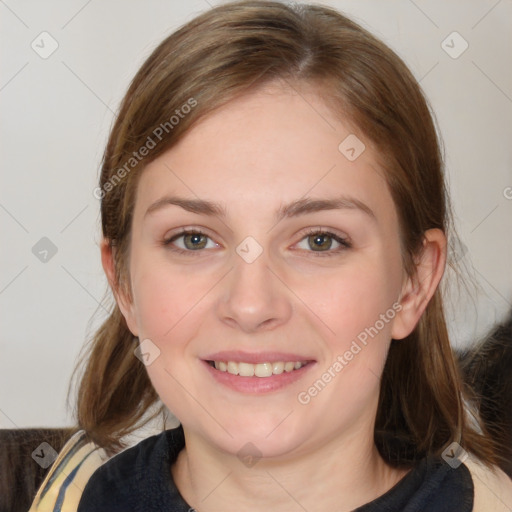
(275, 227)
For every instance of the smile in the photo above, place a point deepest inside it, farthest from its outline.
(263, 370)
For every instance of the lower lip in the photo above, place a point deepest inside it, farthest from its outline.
(257, 385)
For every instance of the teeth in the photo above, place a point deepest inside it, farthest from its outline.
(245, 369)
(221, 365)
(288, 367)
(263, 370)
(232, 368)
(277, 368)
(258, 370)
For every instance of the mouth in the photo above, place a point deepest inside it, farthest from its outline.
(257, 373)
(261, 370)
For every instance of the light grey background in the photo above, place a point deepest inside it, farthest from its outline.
(56, 113)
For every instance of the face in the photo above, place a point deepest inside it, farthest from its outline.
(289, 268)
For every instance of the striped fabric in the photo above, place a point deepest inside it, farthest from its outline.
(63, 486)
(62, 489)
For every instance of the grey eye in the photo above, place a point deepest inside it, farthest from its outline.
(192, 241)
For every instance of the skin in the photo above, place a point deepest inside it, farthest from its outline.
(259, 152)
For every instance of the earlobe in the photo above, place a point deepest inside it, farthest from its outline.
(123, 301)
(419, 288)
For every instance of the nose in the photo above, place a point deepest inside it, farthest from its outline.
(253, 298)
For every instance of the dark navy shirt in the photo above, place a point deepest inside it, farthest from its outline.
(139, 480)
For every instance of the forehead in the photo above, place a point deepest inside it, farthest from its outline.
(272, 146)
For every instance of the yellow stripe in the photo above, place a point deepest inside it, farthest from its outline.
(91, 457)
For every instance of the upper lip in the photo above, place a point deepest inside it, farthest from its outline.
(256, 357)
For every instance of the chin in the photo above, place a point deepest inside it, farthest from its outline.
(260, 438)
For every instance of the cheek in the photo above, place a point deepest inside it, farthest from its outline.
(355, 299)
(358, 306)
(164, 298)
(169, 312)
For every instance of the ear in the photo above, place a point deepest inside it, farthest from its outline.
(419, 289)
(123, 301)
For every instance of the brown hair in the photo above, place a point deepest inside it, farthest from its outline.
(224, 53)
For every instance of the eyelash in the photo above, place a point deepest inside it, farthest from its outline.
(344, 242)
(168, 242)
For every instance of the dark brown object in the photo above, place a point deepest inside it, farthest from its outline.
(487, 370)
(20, 474)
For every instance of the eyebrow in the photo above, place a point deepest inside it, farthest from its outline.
(199, 206)
(310, 205)
(294, 209)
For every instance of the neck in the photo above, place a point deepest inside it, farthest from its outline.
(340, 475)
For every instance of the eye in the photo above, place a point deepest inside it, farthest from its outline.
(323, 242)
(190, 240)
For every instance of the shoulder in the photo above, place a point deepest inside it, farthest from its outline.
(493, 488)
(62, 487)
(126, 480)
